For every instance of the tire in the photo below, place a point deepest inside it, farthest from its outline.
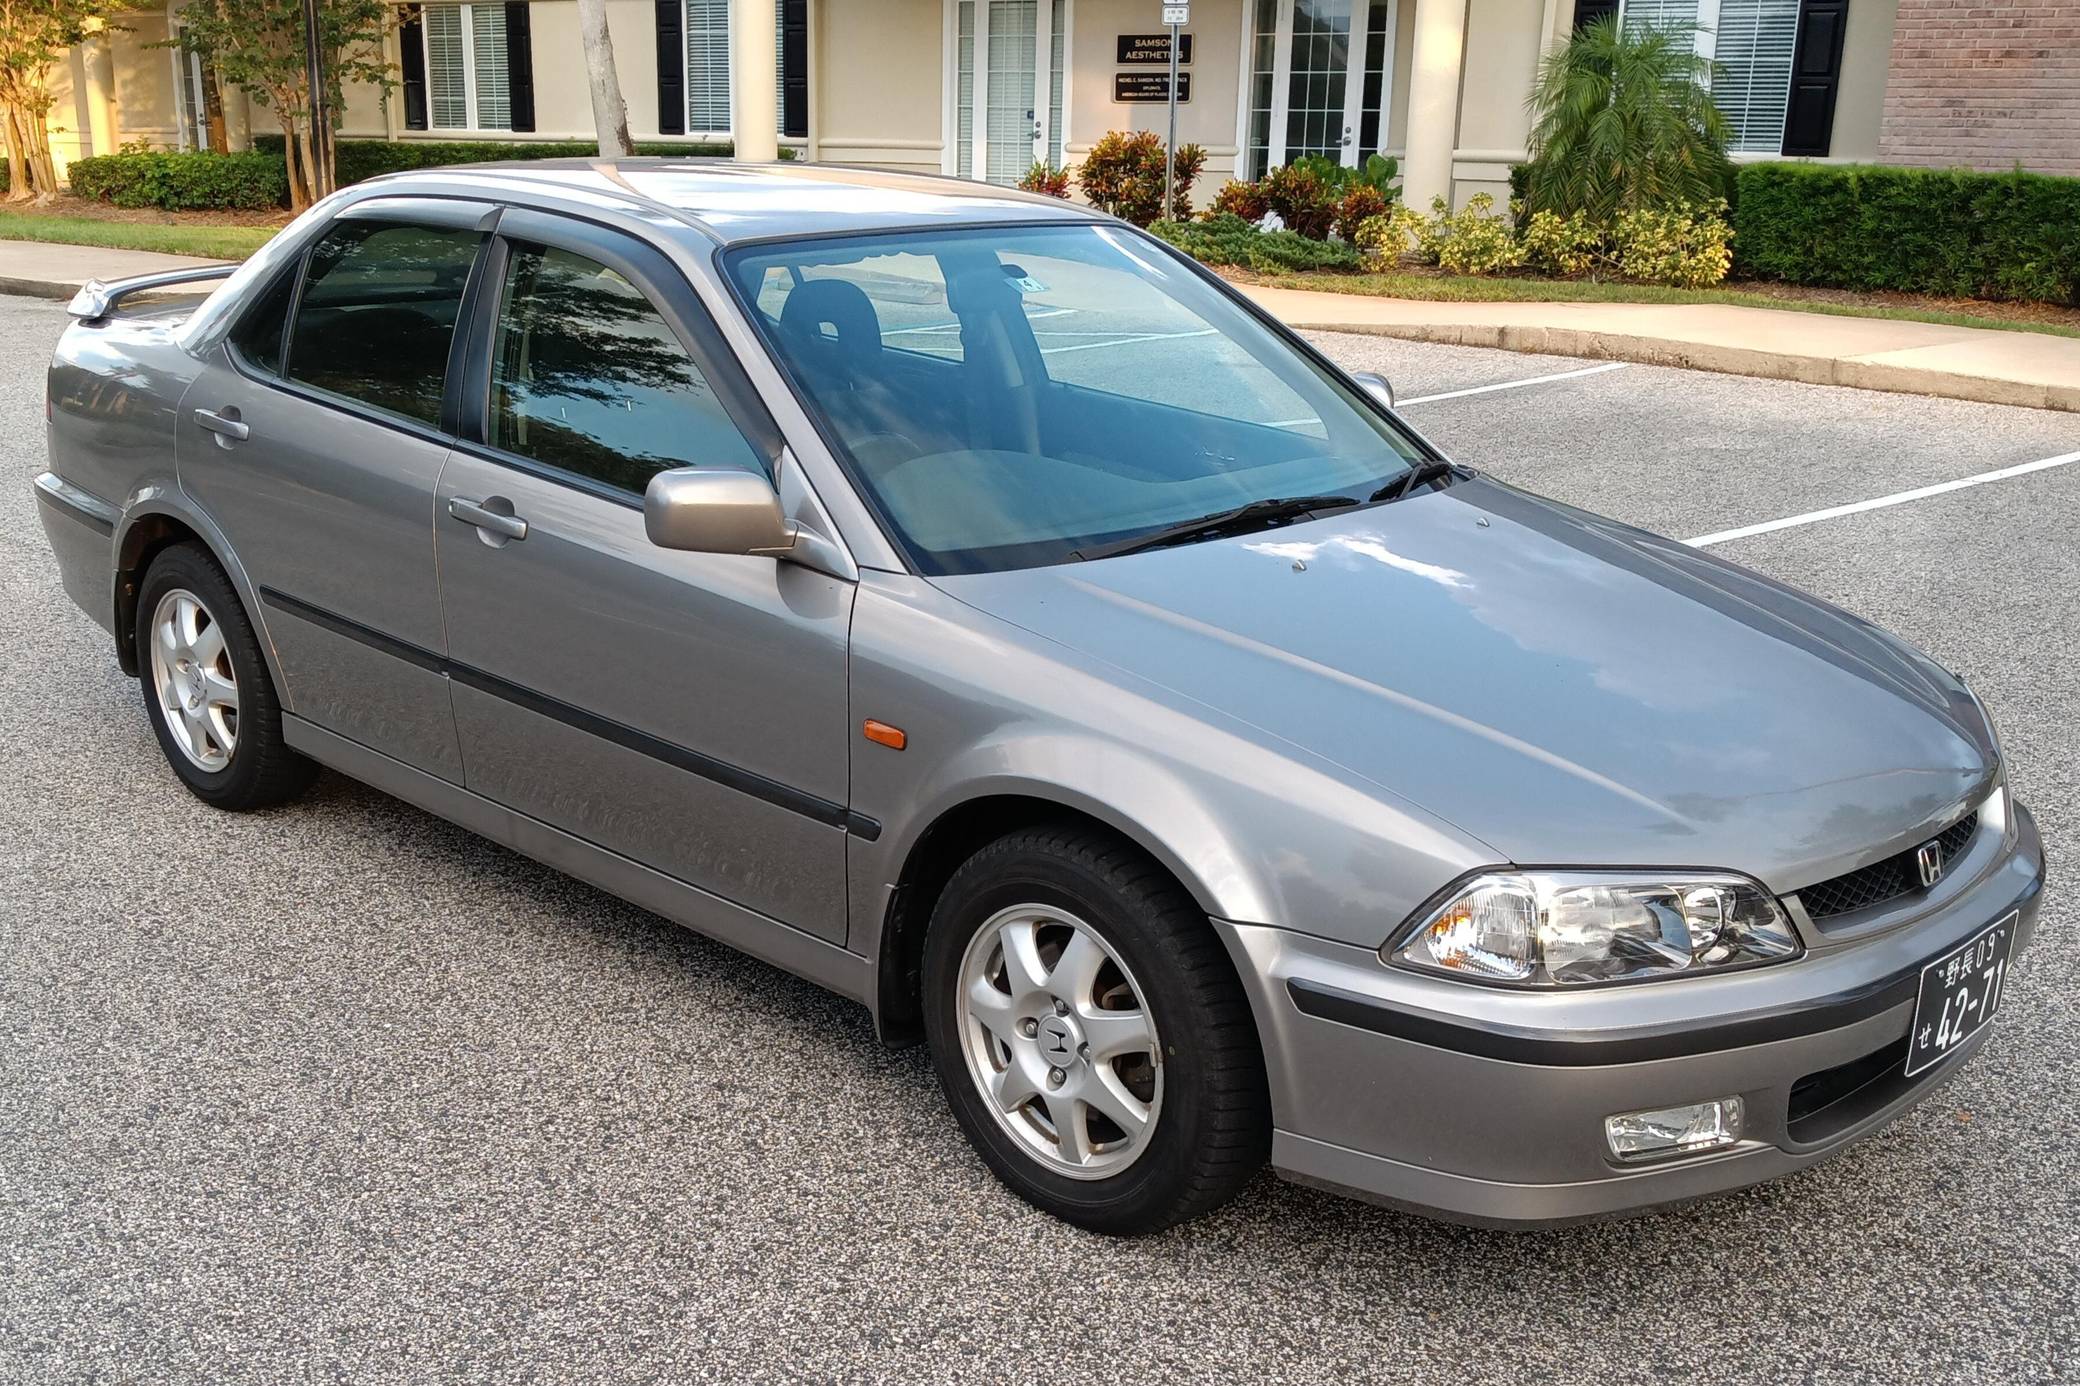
(1200, 1083)
(242, 762)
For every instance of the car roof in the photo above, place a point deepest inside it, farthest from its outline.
(734, 202)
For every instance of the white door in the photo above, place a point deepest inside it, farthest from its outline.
(1321, 80)
(1002, 66)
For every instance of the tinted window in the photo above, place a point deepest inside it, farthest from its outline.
(258, 336)
(586, 376)
(378, 311)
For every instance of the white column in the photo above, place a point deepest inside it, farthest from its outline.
(100, 72)
(754, 79)
(1433, 101)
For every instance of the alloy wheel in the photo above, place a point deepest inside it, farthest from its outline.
(1059, 1041)
(193, 678)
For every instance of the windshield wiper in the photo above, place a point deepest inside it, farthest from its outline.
(1421, 474)
(1240, 520)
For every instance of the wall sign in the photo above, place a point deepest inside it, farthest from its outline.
(1135, 49)
(1150, 86)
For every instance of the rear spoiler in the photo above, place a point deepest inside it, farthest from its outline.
(96, 300)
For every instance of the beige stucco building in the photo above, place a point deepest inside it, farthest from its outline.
(983, 88)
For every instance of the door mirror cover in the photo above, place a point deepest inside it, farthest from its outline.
(1376, 385)
(715, 510)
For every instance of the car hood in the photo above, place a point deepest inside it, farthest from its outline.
(1561, 687)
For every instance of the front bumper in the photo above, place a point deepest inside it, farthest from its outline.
(1485, 1105)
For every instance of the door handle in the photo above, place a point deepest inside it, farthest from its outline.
(226, 425)
(505, 524)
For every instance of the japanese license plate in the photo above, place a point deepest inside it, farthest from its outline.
(1960, 993)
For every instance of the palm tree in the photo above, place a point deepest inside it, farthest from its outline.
(1622, 119)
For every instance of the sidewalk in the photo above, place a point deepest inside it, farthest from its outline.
(42, 270)
(2028, 368)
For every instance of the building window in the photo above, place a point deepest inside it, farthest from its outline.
(468, 75)
(1752, 42)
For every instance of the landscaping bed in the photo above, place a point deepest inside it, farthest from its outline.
(1429, 284)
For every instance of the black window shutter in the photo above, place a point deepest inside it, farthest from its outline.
(1587, 12)
(520, 64)
(671, 67)
(794, 69)
(411, 53)
(1816, 74)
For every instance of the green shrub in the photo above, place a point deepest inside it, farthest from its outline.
(1474, 240)
(254, 181)
(1567, 246)
(1226, 239)
(1681, 245)
(1123, 175)
(359, 159)
(1928, 231)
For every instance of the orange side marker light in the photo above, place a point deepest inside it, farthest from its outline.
(882, 734)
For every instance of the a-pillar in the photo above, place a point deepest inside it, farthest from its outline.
(754, 79)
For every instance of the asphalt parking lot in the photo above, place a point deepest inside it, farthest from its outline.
(342, 1092)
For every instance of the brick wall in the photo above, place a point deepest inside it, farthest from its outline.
(1984, 85)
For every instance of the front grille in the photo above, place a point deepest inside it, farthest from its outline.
(1886, 880)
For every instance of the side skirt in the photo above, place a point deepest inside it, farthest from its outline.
(782, 945)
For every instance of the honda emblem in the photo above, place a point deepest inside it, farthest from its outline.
(1929, 859)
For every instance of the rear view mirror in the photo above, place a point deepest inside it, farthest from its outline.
(1376, 385)
(715, 510)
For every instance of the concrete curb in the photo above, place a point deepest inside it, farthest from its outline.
(1773, 365)
(37, 288)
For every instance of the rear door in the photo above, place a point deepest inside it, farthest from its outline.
(685, 710)
(315, 437)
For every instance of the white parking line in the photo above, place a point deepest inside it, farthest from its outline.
(1897, 498)
(1515, 384)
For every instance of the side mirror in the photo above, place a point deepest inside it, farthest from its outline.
(1376, 385)
(715, 510)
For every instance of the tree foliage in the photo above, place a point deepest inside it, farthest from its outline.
(258, 45)
(1623, 120)
(34, 35)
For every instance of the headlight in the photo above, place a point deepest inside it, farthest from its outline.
(1568, 928)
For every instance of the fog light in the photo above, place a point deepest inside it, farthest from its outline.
(1690, 1130)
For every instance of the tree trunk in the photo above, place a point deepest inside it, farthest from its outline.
(299, 190)
(213, 110)
(18, 188)
(35, 174)
(313, 188)
(609, 111)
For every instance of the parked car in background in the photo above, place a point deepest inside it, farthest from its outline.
(963, 601)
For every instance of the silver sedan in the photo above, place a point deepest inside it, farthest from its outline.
(969, 604)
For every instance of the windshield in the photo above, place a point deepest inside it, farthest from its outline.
(1009, 397)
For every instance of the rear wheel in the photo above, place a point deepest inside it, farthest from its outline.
(1090, 1033)
(206, 687)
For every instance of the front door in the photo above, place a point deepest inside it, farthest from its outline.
(1008, 83)
(1322, 74)
(687, 711)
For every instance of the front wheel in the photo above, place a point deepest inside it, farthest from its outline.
(1090, 1033)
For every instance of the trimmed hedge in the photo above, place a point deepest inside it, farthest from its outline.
(182, 182)
(359, 159)
(1926, 231)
